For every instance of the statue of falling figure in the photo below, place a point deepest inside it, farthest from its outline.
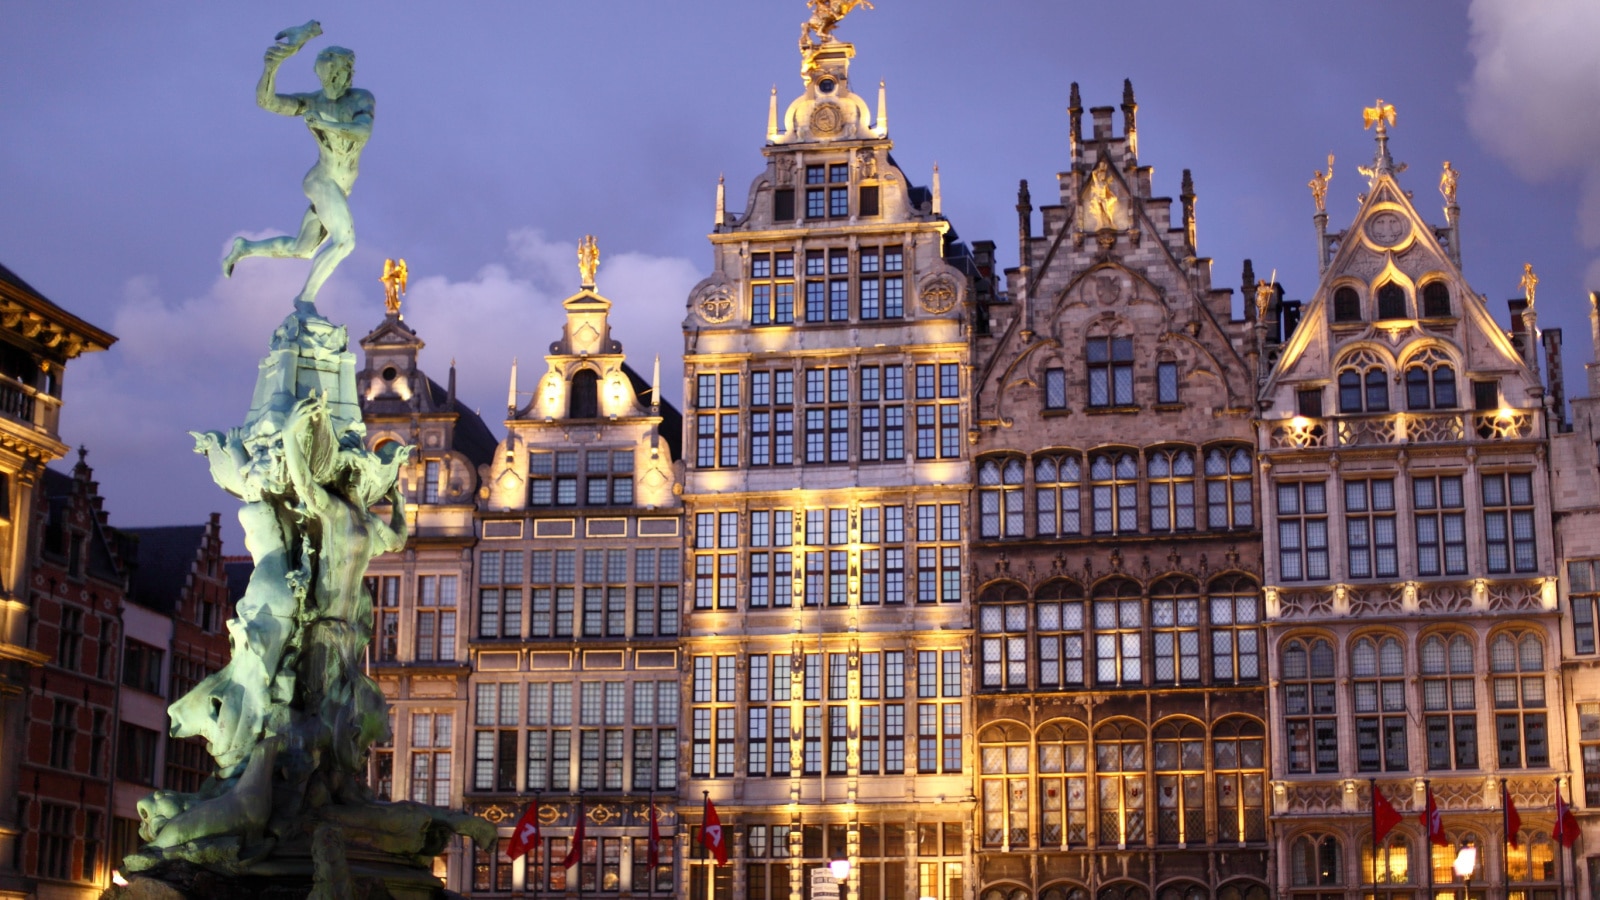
(340, 118)
(291, 717)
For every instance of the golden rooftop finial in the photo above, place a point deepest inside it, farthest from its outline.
(1447, 183)
(394, 284)
(1379, 113)
(818, 30)
(1319, 187)
(1529, 283)
(588, 259)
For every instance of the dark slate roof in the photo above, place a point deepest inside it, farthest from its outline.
(101, 561)
(671, 419)
(472, 437)
(160, 562)
(15, 280)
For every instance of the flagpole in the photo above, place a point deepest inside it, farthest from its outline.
(650, 853)
(1373, 785)
(1505, 836)
(1561, 846)
(538, 850)
(711, 886)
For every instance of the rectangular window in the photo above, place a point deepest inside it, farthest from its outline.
(869, 200)
(1308, 403)
(1370, 528)
(1302, 531)
(1441, 525)
(1110, 364)
(1167, 382)
(1055, 388)
(1508, 522)
(1582, 593)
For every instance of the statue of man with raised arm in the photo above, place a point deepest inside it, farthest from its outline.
(340, 118)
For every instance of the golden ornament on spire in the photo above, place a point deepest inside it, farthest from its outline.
(394, 284)
(825, 17)
(1379, 113)
(1319, 187)
(588, 259)
(1447, 183)
(1529, 282)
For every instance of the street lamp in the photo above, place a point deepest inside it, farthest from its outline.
(840, 867)
(1466, 861)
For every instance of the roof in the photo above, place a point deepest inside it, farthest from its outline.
(471, 436)
(158, 563)
(79, 335)
(671, 427)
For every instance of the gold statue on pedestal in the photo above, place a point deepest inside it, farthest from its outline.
(1447, 183)
(1529, 283)
(588, 259)
(825, 17)
(1378, 113)
(394, 284)
(1319, 187)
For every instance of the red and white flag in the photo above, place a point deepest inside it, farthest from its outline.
(711, 834)
(575, 852)
(1384, 816)
(1566, 831)
(1432, 822)
(1513, 820)
(654, 855)
(526, 835)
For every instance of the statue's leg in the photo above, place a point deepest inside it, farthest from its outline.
(298, 246)
(332, 208)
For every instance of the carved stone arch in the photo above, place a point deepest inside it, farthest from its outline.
(1058, 588)
(1003, 590)
(1021, 378)
(1430, 351)
(1364, 355)
(1008, 731)
(1088, 289)
(1064, 890)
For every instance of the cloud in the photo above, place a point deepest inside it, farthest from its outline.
(1534, 97)
(189, 364)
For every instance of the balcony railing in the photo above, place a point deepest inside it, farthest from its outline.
(24, 404)
(1371, 430)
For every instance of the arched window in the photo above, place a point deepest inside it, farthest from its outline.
(1245, 891)
(1443, 858)
(1238, 747)
(1171, 490)
(1122, 892)
(1346, 305)
(1449, 701)
(1430, 382)
(1118, 633)
(1183, 892)
(1516, 662)
(1316, 860)
(1393, 862)
(1006, 894)
(1175, 630)
(1229, 491)
(1003, 628)
(1120, 782)
(1435, 299)
(1392, 302)
(1063, 791)
(1064, 893)
(1003, 750)
(1180, 751)
(1000, 497)
(584, 402)
(1058, 606)
(1309, 709)
(1114, 485)
(1363, 383)
(1110, 363)
(1235, 608)
(1057, 479)
(1531, 862)
(1377, 667)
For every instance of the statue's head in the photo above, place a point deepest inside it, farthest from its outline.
(335, 66)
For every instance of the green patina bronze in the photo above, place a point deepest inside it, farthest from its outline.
(291, 717)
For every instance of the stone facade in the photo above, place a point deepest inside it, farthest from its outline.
(1412, 625)
(1120, 713)
(827, 651)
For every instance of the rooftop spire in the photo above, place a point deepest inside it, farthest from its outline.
(1130, 111)
(722, 202)
(938, 199)
(511, 395)
(882, 126)
(772, 115)
(1380, 114)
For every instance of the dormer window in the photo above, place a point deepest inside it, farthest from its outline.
(1391, 302)
(585, 398)
(1346, 305)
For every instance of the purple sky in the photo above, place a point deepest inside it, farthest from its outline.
(133, 152)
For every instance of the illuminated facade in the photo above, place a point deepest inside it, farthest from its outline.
(574, 693)
(826, 652)
(1410, 566)
(1120, 709)
(418, 653)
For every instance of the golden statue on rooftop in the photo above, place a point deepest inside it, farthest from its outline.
(1379, 113)
(1529, 282)
(394, 284)
(825, 17)
(588, 259)
(1447, 183)
(1319, 187)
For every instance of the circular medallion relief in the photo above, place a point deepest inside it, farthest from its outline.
(827, 118)
(939, 294)
(1387, 229)
(716, 304)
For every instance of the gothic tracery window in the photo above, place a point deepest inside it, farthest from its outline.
(1171, 480)
(1057, 479)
